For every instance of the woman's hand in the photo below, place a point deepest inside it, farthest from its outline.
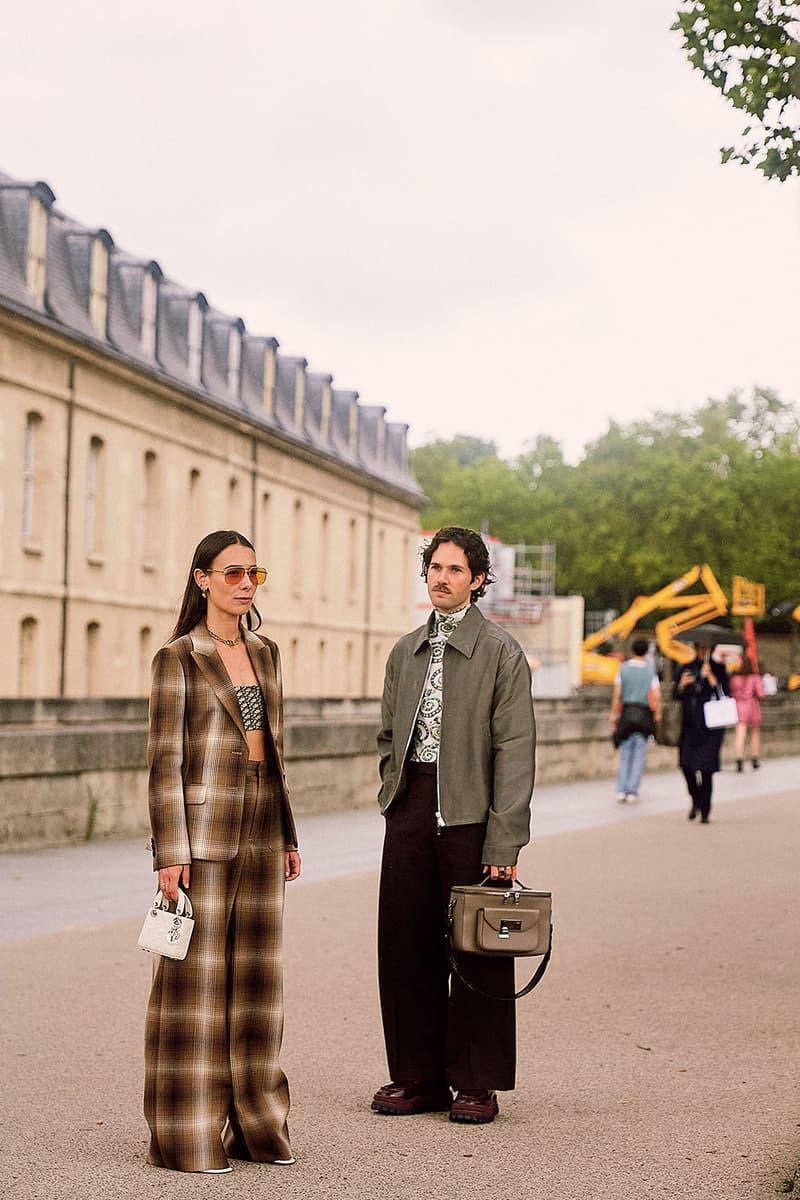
(169, 878)
(291, 870)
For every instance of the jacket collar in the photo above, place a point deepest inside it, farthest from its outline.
(463, 637)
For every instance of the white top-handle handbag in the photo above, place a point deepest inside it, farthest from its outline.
(168, 933)
(720, 711)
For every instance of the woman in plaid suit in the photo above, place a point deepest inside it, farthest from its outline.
(222, 825)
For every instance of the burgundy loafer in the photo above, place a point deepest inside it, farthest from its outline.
(416, 1096)
(474, 1107)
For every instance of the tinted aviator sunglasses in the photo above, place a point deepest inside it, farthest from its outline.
(234, 575)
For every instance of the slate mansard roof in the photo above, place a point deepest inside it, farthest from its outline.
(175, 335)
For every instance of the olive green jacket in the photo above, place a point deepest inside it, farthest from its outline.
(488, 735)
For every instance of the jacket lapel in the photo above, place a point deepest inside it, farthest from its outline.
(264, 667)
(212, 668)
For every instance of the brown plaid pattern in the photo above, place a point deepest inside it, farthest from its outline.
(213, 1085)
(197, 749)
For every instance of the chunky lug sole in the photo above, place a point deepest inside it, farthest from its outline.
(474, 1111)
(405, 1102)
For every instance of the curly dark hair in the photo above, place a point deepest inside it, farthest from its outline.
(193, 604)
(473, 546)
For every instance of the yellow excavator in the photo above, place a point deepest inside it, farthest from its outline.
(695, 608)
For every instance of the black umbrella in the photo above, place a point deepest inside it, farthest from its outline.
(711, 635)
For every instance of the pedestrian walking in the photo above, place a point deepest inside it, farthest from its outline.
(635, 711)
(747, 688)
(699, 747)
(457, 750)
(221, 827)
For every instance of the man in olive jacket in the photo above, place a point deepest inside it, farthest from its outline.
(457, 747)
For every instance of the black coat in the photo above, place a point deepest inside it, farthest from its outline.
(698, 748)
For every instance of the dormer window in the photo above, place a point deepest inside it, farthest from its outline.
(325, 413)
(36, 263)
(98, 286)
(195, 334)
(149, 314)
(234, 359)
(270, 370)
(353, 439)
(299, 394)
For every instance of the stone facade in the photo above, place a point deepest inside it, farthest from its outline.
(74, 770)
(134, 418)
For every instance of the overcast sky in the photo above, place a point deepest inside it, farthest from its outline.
(493, 217)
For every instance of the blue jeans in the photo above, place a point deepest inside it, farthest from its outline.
(632, 756)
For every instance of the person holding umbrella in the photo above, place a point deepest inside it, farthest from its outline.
(699, 747)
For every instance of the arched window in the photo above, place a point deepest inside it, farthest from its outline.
(297, 548)
(92, 667)
(265, 530)
(145, 658)
(294, 655)
(324, 555)
(322, 668)
(380, 570)
(95, 494)
(352, 561)
(233, 502)
(152, 510)
(28, 674)
(30, 455)
(196, 525)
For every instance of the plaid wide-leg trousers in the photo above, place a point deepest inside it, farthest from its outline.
(213, 1084)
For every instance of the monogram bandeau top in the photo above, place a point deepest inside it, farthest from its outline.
(251, 704)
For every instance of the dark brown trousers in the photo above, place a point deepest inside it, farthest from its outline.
(436, 1028)
(213, 1084)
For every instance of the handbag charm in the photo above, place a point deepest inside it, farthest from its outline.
(167, 933)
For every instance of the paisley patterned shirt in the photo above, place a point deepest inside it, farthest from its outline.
(425, 742)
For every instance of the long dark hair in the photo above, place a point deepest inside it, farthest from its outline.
(193, 605)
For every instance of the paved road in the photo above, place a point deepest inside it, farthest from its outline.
(658, 1059)
(83, 886)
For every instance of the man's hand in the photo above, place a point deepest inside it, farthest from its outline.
(503, 874)
(170, 877)
(291, 865)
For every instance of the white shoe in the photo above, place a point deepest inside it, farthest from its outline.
(215, 1171)
(284, 1162)
(621, 797)
(631, 797)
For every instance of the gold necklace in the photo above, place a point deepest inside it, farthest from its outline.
(225, 641)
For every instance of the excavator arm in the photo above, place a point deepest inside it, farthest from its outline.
(696, 607)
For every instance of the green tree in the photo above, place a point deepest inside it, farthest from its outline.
(750, 51)
(433, 462)
(647, 501)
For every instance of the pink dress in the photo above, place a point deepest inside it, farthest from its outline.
(747, 689)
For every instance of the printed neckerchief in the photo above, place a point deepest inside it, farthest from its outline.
(425, 743)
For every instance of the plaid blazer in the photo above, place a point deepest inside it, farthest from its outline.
(197, 749)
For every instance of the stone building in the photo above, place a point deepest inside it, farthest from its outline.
(134, 418)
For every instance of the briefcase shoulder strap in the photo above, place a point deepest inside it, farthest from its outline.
(529, 986)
